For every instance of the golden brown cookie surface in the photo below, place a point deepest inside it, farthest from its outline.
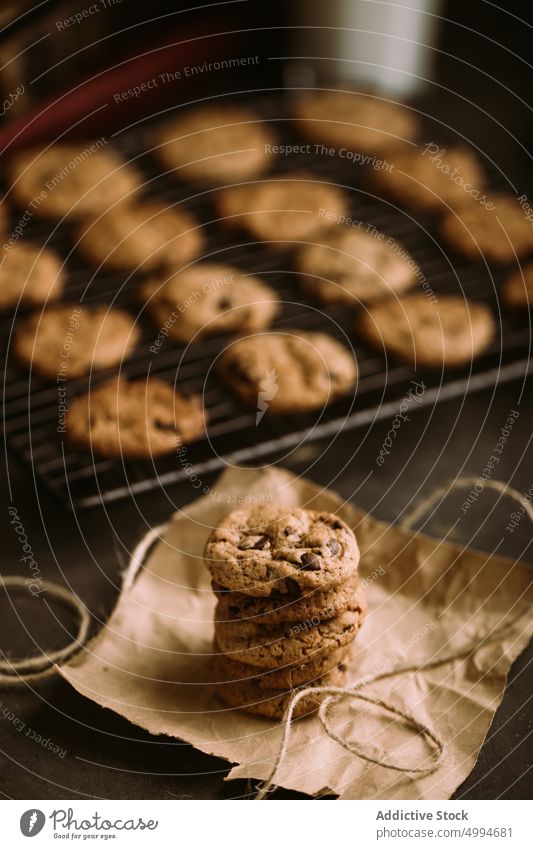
(518, 288)
(145, 235)
(138, 418)
(288, 371)
(217, 144)
(303, 605)
(290, 207)
(73, 180)
(497, 233)
(272, 703)
(448, 333)
(71, 340)
(271, 646)
(349, 265)
(30, 273)
(230, 670)
(431, 180)
(206, 299)
(358, 121)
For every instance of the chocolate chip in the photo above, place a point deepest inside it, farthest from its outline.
(288, 531)
(293, 588)
(224, 304)
(334, 547)
(309, 562)
(262, 543)
(336, 525)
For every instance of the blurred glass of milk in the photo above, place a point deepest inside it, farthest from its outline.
(379, 45)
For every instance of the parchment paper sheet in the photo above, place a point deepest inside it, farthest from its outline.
(149, 662)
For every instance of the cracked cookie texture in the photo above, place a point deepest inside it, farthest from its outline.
(272, 548)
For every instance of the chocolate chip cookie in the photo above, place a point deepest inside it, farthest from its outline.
(73, 180)
(303, 605)
(207, 299)
(29, 274)
(216, 144)
(271, 646)
(358, 121)
(70, 340)
(134, 419)
(449, 333)
(270, 548)
(518, 288)
(352, 266)
(145, 235)
(288, 371)
(272, 703)
(498, 233)
(428, 179)
(227, 669)
(288, 208)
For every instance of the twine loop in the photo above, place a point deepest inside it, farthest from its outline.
(418, 727)
(463, 483)
(336, 694)
(14, 673)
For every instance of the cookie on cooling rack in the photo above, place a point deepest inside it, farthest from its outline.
(206, 299)
(348, 265)
(144, 235)
(288, 208)
(30, 274)
(215, 144)
(361, 122)
(134, 419)
(518, 288)
(288, 371)
(72, 180)
(70, 340)
(448, 333)
(497, 231)
(423, 179)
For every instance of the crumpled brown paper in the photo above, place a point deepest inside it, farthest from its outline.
(150, 662)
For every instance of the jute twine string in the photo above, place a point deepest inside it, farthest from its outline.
(334, 695)
(43, 667)
(15, 673)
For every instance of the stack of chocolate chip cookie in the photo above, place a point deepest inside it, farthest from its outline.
(289, 605)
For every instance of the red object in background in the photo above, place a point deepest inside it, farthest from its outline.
(96, 106)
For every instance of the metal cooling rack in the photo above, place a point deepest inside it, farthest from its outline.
(79, 479)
